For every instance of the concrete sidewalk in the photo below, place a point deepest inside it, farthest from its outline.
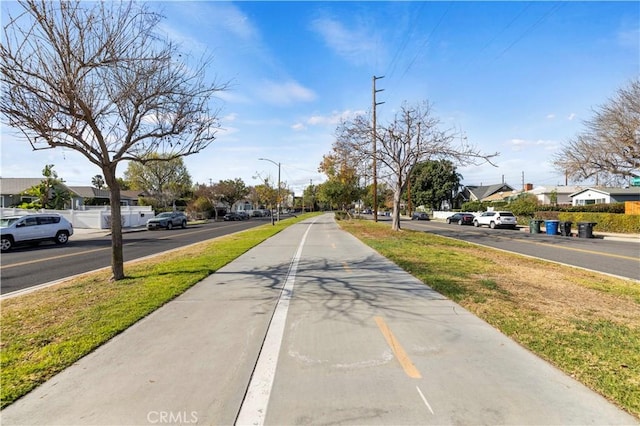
(191, 361)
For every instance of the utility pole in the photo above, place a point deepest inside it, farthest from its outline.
(409, 172)
(375, 171)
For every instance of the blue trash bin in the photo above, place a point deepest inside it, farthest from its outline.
(551, 226)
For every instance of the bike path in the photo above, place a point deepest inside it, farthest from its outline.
(362, 342)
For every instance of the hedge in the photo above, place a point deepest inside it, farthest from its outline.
(606, 222)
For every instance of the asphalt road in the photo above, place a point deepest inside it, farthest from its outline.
(25, 266)
(618, 258)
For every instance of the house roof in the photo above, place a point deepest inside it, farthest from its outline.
(482, 192)
(558, 188)
(633, 190)
(91, 192)
(15, 186)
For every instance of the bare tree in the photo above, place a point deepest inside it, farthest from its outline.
(608, 150)
(94, 77)
(413, 136)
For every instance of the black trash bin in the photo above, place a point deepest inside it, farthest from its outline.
(585, 229)
(565, 228)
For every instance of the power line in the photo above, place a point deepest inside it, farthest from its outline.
(530, 29)
(427, 40)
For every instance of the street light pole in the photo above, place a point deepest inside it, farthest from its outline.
(278, 200)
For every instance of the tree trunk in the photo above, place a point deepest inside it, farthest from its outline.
(117, 257)
(395, 214)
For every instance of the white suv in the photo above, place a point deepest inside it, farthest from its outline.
(496, 219)
(34, 228)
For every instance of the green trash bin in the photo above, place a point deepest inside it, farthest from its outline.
(534, 226)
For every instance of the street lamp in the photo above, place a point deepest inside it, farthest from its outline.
(278, 200)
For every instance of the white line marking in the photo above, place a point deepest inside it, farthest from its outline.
(425, 400)
(254, 407)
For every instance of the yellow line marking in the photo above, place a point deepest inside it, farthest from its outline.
(29, 262)
(346, 267)
(599, 253)
(398, 351)
(333, 245)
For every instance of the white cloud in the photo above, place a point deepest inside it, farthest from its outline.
(298, 127)
(230, 117)
(571, 116)
(285, 93)
(334, 118)
(357, 45)
(518, 145)
(551, 116)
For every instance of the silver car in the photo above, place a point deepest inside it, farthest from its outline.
(167, 220)
(32, 229)
(497, 219)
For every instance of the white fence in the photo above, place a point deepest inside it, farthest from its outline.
(95, 218)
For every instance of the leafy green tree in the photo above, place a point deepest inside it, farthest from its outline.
(123, 184)
(50, 193)
(309, 197)
(525, 205)
(342, 187)
(98, 182)
(433, 182)
(231, 190)
(164, 180)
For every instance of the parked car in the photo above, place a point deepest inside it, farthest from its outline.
(461, 218)
(231, 216)
(33, 229)
(420, 216)
(243, 215)
(496, 219)
(167, 220)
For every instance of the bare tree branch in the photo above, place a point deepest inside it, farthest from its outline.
(411, 137)
(608, 150)
(96, 78)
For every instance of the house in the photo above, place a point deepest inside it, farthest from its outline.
(603, 195)
(562, 194)
(100, 197)
(12, 189)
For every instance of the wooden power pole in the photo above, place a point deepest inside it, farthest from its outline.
(374, 136)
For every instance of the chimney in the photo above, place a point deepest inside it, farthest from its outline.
(528, 186)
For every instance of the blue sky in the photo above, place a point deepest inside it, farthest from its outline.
(516, 77)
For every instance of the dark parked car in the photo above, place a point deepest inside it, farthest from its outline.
(420, 216)
(167, 220)
(232, 216)
(461, 219)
